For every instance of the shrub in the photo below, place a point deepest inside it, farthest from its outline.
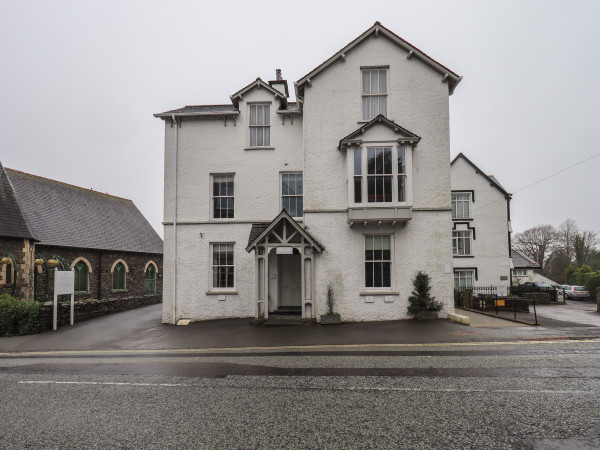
(421, 299)
(592, 284)
(18, 317)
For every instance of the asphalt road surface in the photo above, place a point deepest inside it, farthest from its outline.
(543, 395)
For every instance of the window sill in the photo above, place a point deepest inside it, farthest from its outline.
(231, 292)
(463, 256)
(119, 290)
(259, 148)
(376, 292)
(460, 220)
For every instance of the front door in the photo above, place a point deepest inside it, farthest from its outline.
(290, 288)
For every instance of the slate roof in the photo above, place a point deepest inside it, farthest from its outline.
(521, 261)
(70, 216)
(12, 220)
(256, 229)
(210, 110)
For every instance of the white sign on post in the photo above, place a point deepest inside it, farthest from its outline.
(63, 284)
(502, 291)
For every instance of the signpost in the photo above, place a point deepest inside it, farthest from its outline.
(63, 284)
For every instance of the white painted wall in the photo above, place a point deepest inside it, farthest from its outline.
(490, 220)
(417, 101)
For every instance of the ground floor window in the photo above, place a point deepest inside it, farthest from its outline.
(222, 266)
(378, 261)
(150, 280)
(8, 279)
(463, 279)
(119, 277)
(81, 277)
(520, 272)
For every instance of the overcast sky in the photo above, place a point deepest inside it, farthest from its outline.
(80, 80)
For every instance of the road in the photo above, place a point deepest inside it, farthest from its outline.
(513, 394)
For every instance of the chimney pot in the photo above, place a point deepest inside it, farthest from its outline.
(278, 74)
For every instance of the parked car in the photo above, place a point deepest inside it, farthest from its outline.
(534, 286)
(576, 292)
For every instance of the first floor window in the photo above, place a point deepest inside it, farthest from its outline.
(463, 279)
(81, 277)
(222, 196)
(461, 205)
(222, 266)
(119, 276)
(260, 129)
(378, 261)
(461, 243)
(291, 193)
(379, 175)
(9, 274)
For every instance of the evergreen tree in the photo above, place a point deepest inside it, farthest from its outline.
(421, 299)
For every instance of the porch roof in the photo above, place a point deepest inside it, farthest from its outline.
(261, 229)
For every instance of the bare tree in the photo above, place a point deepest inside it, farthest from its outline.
(538, 243)
(584, 245)
(566, 238)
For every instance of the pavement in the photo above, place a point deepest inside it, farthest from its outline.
(141, 329)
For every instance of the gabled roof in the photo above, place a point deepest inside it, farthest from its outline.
(378, 30)
(257, 84)
(260, 230)
(405, 135)
(490, 178)
(520, 261)
(12, 219)
(69, 216)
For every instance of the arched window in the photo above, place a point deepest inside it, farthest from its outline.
(150, 280)
(9, 274)
(119, 276)
(81, 277)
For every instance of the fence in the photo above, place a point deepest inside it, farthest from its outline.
(515, 305)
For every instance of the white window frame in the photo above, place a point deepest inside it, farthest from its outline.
(390, 262)
(282, 195)
(213, 196)
(458, 274)
(260, 127)
(463, 201)
(367, 91)
(212, 266)
(407, 175)
(520, 272)
(457, 237)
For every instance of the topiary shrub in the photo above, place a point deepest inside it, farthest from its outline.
(421, 299)
(18, 317)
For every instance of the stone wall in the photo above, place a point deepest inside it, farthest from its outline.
(101, 263)
(21, 250)
(90, 309)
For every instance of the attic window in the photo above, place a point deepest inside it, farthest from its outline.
(374, 93)
(260, 125)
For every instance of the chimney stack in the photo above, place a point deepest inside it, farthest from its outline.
(279, 83)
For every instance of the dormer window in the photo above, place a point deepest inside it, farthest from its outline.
(260, 125)
(374, 92)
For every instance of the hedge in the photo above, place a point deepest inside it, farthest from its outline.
(18, 317)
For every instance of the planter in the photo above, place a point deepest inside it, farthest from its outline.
(422, 315)
(330, 319)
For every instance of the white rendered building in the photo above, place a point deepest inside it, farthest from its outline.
(269, 202)
(480, 227)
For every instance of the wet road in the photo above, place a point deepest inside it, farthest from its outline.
(471, 395)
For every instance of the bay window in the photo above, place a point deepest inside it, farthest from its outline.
(379, 175)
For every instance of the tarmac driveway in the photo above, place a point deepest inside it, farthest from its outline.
(583, 312)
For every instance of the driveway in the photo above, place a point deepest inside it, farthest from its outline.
(583, 312)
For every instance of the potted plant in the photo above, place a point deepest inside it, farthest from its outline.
(331, 318)
(421, 303)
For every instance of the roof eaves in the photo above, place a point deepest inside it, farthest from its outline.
(377, 28)
(408, 137)
(258, 83)
(486, 176)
